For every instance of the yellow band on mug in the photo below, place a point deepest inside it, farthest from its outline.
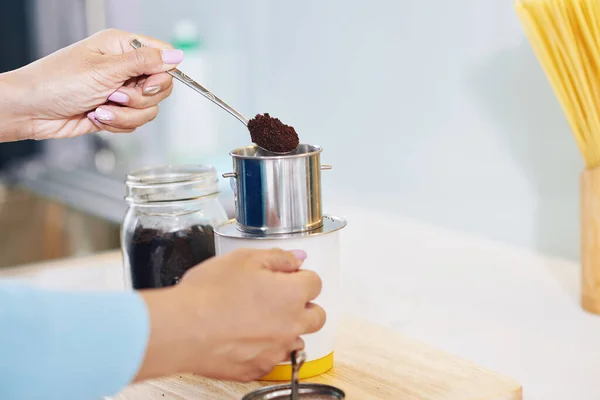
(308, 370)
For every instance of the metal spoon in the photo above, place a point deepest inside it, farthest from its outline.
(298, 358)
(182, 77)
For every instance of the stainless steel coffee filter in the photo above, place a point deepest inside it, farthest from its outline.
(307, 391)
(276, 194)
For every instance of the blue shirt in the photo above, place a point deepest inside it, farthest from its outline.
(69, 345)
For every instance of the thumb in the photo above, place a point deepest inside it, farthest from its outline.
(145, 61)
(282, 261)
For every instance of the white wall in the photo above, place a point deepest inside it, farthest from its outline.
(437, 109)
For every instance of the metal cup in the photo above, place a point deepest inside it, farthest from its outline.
(277, 194)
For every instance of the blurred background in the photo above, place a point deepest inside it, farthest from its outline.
(434, 110)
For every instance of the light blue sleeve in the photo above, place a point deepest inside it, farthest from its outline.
(69, 345)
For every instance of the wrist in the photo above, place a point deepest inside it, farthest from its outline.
(15, 113)
(168, 346)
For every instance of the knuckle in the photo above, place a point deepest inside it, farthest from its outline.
(322, 319)
(321, 312)
(166, 93)
(110, 32)
(94, 65)
(315, 277)
(140, 57)
(154, 113)
(243, 253)
(277, 250)
(318, 282)
(299, 344)
(135, 101)
(285, 257)
(127, 124)
(318, 318)
(265, 366)
(274, 251)
(313, 284)
(263, 257)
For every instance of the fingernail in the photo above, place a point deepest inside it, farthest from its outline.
(103, 114)
(172, 56)
(92, 116)
(118, 97)
(150, 90)
(299, 254)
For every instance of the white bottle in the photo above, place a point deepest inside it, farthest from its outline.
(191, 123)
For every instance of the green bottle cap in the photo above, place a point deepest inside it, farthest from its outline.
(186, 36)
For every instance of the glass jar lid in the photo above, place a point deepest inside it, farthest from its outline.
(171, 183)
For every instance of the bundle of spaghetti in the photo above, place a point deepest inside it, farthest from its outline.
(565, 36)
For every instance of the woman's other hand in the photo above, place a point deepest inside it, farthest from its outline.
(233, 317)
(99, 83)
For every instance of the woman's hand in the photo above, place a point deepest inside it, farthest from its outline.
(233, 317)
(100, 83)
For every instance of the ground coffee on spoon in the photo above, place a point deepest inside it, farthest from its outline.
(273, 135)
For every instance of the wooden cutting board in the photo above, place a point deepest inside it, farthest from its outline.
(371, 363)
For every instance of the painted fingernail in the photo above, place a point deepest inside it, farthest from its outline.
(299, 254)
(119, 97)
(150, 90)
(172, 56)
(103, 114)
(92, 117)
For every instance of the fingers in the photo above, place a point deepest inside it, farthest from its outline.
(298, 345)
(156, 83)
(313, 319)
(122, 62)
(126, 38)
(98, 126)
(122, 119)
(308, 281)
(152, 91)
(115, 41)
(277, 259)
(143, 61)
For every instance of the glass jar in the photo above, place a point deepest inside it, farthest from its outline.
(168, 227)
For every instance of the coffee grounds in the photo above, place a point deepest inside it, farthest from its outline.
(159, 259)
(272, 135)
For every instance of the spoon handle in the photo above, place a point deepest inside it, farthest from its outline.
(298, 358)
(182, 77)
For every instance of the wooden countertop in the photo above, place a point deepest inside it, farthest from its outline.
(371, 363)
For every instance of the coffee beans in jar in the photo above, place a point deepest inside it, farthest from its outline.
(168, 227)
